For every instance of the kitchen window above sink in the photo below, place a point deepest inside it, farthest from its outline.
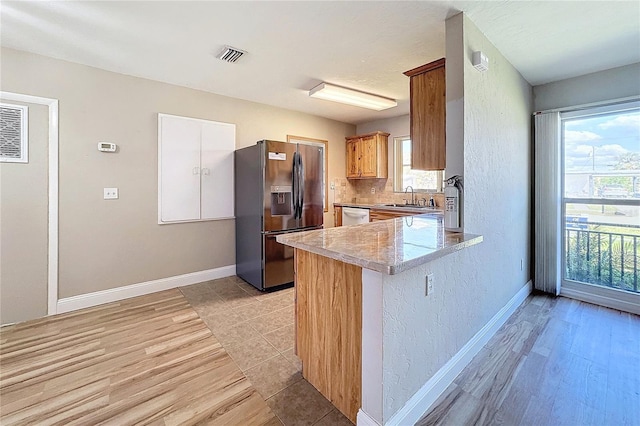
(419, 180)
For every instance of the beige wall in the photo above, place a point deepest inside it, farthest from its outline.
(108, 244)
(600, 86)
(23, 226)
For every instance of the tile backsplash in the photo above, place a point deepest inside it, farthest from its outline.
(359, 191)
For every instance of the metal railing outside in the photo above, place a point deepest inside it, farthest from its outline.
(609, 259)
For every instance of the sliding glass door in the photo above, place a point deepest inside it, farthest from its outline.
(601, 201)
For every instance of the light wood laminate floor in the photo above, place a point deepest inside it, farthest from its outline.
(557, 361)
(154, 360)
(146, 360)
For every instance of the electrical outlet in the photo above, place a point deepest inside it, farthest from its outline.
(333, 185)
(373, 189)
(110, 193)
(429, 287)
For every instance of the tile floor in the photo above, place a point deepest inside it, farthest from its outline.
(257, 330)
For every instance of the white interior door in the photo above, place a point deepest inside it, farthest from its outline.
(180, 169)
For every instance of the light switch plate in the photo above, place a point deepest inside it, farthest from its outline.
(429, 286)
(110, 193)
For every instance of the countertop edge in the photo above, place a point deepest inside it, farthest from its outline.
(417, 210)
(410, 264)
(390, 269)
(379, 267)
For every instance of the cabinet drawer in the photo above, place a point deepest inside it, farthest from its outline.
(375, 215)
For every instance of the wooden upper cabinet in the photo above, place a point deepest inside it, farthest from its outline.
(367, 156)
(428, 120)
(352, 157)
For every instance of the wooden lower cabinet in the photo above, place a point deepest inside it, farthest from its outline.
(329, 328)
(375, 214)
(337, 216)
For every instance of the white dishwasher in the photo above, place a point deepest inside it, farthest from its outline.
(354, 216)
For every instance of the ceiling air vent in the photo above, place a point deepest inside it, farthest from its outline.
(230, 54)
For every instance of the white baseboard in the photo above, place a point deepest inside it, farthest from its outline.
(601, 296)
(363, 419)
(422, 400)
(74, 303)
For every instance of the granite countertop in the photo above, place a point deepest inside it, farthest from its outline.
(396, 208)
(390, 246)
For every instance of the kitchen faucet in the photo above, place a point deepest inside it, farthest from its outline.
(413, 201)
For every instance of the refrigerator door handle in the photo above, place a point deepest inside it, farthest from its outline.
(301, 198)
(294, 180)
(298, 179)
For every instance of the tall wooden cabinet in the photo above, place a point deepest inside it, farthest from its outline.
(428, 120)
(367, 156)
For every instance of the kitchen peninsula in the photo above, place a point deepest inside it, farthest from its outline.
(351, 283)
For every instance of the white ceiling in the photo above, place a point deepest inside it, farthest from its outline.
(292, 46)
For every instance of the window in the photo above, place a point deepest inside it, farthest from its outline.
(419, 180)
(601, 201)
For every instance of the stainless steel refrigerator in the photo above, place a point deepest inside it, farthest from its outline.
(279, 188)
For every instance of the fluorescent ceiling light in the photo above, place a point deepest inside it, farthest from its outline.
(343, 95)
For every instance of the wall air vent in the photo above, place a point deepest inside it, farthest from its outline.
(230, 54)
(14, 133)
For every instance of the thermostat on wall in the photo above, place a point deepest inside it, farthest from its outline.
(107, 147)
(480, 61)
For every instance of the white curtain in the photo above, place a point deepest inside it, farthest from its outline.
(547, 203)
